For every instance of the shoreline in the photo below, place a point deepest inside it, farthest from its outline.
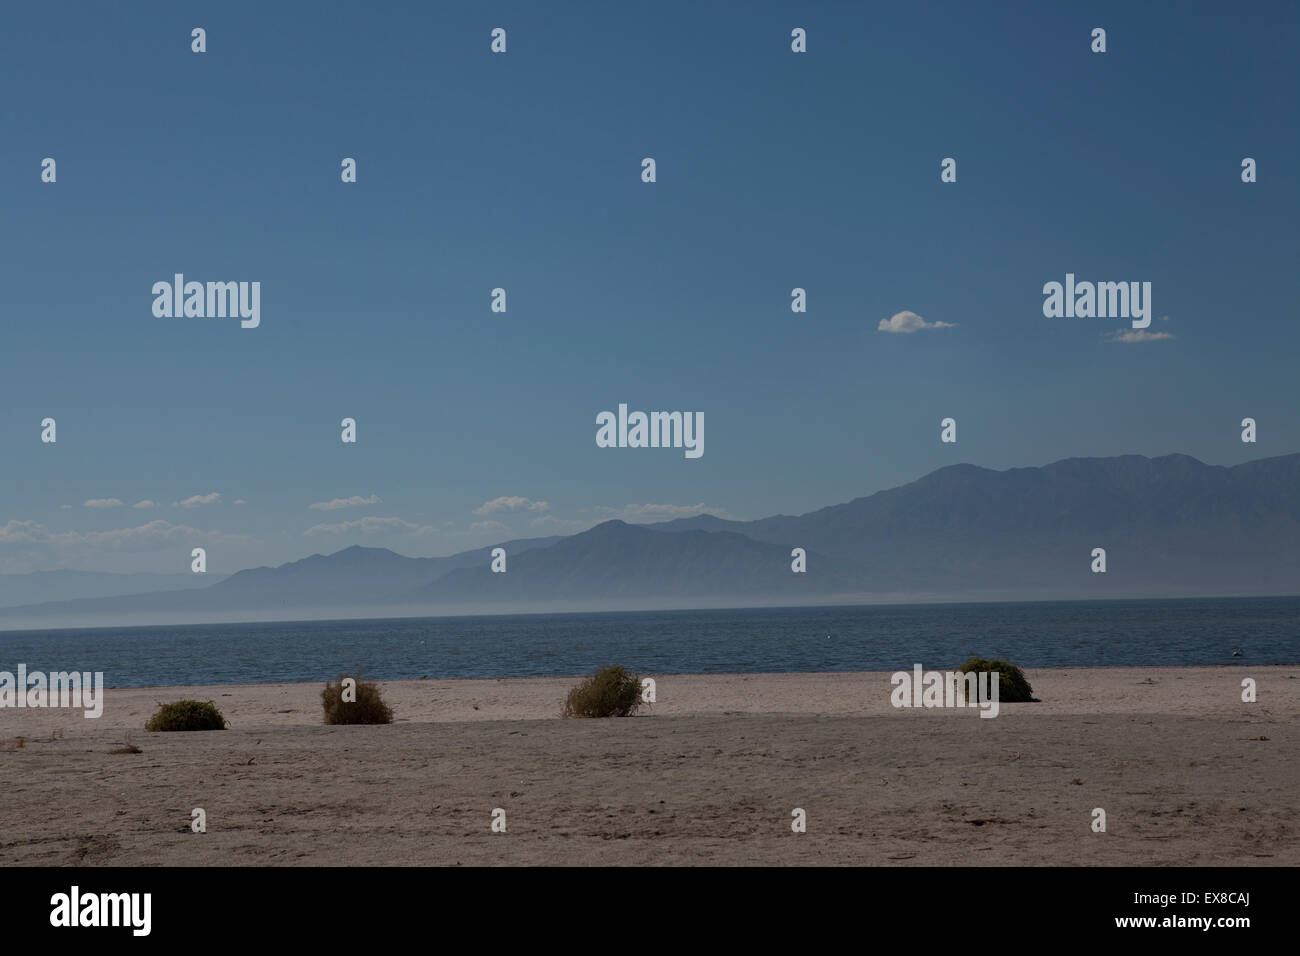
(1047, 669)
(1167, 689)
(10, 623)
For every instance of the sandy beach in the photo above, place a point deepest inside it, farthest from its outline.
(1186, 773)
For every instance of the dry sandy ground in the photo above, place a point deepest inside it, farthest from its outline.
(1186, 773)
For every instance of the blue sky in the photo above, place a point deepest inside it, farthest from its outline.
(522, 171)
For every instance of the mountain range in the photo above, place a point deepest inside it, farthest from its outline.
(1170, 526)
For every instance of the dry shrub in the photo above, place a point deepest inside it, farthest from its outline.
(611, 692)
(1012, 686)
(187, 715)
(368, 708)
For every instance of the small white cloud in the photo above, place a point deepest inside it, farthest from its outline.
(22, 532)
(102, 503)
(487, 526)
(29, 546)
(510, 503)
(240, 501)
(153, 535)
(195, 500)
(146, 503)
(336, 503)
(1135, 335)
(908, 322)
(65, 507)
(648, 513)
(371, 526)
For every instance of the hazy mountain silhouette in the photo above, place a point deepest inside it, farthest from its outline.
(36, 586)
(355, 575)
(1167, 524)
(618, 560)
(1170, 526)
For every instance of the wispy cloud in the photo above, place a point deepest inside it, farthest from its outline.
(195, 501)
(510, 503)
(1137, 335)
(102, 503)
(905, 323)
(23, 532)
(154, 531)
(391, 526)
(24, 544)
(336, 503)
(145, 504)
(649, 512)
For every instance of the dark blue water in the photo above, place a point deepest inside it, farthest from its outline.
(1082, 633)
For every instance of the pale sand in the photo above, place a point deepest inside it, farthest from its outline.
(1186, 772)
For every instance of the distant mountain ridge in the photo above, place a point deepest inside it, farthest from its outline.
(374, 574)
(1166, 521)
(1170, 526)
(619, 560)
(34, 587)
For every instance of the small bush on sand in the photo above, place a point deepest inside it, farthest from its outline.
(367, 708)
(187, 715)
(610, 692)
(1012, 686)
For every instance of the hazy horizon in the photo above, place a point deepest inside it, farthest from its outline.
(652, 519)
(410, 588)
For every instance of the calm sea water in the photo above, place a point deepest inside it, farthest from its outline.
(1084, 633)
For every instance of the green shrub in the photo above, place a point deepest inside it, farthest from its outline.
(368, 708)
(1012, 686)
(187, 715)
(610, 692)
